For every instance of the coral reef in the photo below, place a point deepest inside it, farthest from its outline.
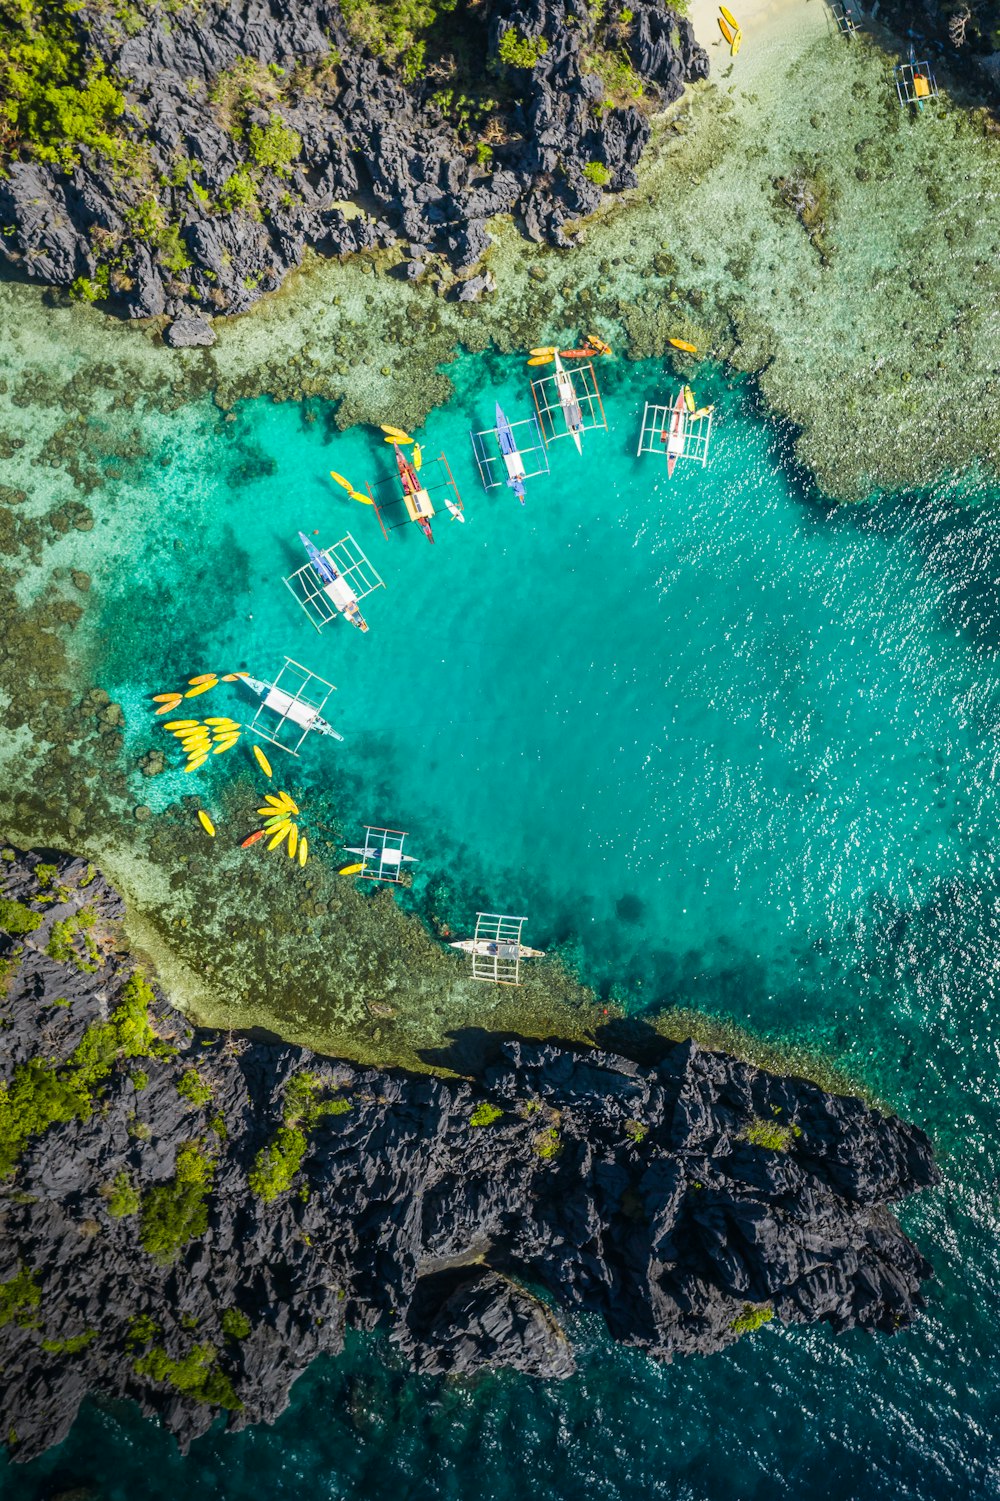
(190, 1218)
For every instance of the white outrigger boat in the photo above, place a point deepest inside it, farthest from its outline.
(492, 948)
(289, 707)
(569, 403)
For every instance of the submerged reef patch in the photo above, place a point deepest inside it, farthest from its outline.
(149, 1251)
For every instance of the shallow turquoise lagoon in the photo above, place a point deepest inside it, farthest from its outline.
(724, 745)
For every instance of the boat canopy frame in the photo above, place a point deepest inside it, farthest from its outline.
(310, 591)
(696, 435)
(588, 399)
(492, 466)
(905, 76)
(503, 932)
(844, 18)
(396, 503)
(387, 846)
(298, 703)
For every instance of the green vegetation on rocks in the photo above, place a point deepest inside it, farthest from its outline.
(123, 1199)
(51, 101)
(175, 1213)
(16, 919)
(752, 1317)
(195, 1375)
(235, 1324)
(485, 1114)
(521, 51)
(192, 1087)
(42, 1093)
(769, 1134)
(19, 1296)
(302, 1110)
(71, 1346)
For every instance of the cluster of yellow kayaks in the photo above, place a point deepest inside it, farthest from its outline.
(279, 813)
(730, 28)
(217, 734)
(197, 685)
(201, 738)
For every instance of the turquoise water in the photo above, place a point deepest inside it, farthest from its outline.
(726, 747)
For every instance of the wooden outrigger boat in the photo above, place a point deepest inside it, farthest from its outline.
(569, 404)
(419, 506)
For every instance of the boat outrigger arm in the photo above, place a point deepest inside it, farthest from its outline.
(334, 585)
(513, 462)
(290, 707)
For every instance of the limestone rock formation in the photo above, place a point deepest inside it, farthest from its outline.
(254, 128)
(189, 1218)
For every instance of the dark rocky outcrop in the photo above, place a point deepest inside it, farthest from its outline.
(205, 1214)
(399, 153)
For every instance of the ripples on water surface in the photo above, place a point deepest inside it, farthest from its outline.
(738, 747)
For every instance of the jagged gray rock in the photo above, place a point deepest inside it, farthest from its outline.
(435, 1207)
(366, 137)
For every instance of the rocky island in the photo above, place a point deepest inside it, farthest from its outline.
(180, 158)
(190, 1217)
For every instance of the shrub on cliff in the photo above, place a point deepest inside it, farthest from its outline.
(16, 919)
(521, 51)
(53, 103)
(177, 1212)
(195, 1375)
(277, 1164)
(771, 1135)
(752, 1318)
(42, 1094)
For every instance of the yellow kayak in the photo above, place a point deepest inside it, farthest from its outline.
(293, 841)
(206, 823)
(737, 43)
(274, 800)
(728, 16)
(278, 837)
(303, 850)
(201, 688)
(286, 802)
(727, 31)
(195, 763)
(351, 870)
(262, 761)
(683, 344)
(689, 398)
(180, 724)
(224, 745)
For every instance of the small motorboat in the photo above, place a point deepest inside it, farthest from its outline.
(513, 462)
(569, 404)
(673, 439)
(334, 585)
(419, 506)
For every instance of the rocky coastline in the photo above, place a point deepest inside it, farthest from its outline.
(191, 1217)
(238, 135)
